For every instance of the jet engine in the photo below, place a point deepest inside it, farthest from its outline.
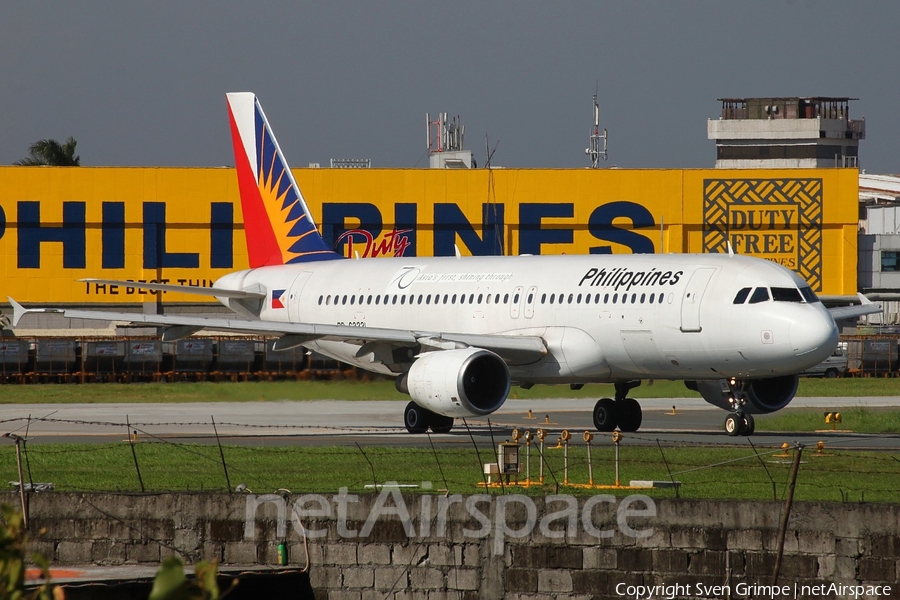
(457, 383)
(763, 395)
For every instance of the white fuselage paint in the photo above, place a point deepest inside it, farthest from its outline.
(676, 321)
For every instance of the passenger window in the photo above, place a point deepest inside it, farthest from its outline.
(445, 298)
(352, 299)
(497, 299)
(395, 299)
(615, 298)
(759, 295)
(344, 300)
(516, 299)
(606, 299)
(578, 299)
(471, 298)
(571, 297)
(643, 297)
(652, 298)
(741, 296)
(453, 300)
(780, 294)
(543, 298)
(505, 298)
(530, 298)
(377, 298)
(462, 298)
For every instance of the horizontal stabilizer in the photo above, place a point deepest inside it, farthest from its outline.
(184, 289)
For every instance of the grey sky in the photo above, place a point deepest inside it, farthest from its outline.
(143, 83)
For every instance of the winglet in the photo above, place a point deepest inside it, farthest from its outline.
(20, 311)
(863, 300)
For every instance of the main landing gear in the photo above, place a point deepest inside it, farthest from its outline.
(418, 420)
(624, 413)
(738, 422)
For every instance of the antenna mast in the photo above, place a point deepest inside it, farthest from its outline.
(594, 150)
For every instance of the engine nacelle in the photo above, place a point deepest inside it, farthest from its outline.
(457, 383)
(763, 395)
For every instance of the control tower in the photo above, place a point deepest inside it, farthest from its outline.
(778, 133)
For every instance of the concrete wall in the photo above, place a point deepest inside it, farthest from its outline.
(692, 541)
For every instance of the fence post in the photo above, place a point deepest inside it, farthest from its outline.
(221, 454)
(137, 467)
(786, 513)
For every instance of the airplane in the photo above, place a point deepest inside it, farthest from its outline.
(458, 332)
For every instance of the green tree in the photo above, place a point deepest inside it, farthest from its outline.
(51, 153)
(13, 544)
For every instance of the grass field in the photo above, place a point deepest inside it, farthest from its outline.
(857, 419)
(704, 472)
(373, 390)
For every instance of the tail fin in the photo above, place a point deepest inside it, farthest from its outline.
(277, 222)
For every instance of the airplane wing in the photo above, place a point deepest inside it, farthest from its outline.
(865, 307)
(516, 349)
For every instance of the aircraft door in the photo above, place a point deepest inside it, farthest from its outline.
(515, 303)
(294, 314)
(693, 296)
(530, 299)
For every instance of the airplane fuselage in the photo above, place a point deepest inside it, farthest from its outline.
(603, 318)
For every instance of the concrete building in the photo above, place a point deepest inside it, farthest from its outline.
(879, 243)
(778, 133)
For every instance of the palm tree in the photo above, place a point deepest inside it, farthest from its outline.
(51, 153)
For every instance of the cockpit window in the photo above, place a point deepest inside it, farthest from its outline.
(741, 296)
(780, 294)
(809, 295)
(759, 295)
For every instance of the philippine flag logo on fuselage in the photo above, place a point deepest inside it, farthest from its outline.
(276, 299)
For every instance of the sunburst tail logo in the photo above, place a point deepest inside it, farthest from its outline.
(277, 223)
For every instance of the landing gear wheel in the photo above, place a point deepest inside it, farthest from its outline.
(441, 424)
(734, 424)
(749, 425)
(630, 414)
(416, 418)
(606, 415)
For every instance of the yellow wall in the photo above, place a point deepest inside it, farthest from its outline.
(61, 224)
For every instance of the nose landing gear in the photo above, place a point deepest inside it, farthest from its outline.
(738, 422)
(624, 413)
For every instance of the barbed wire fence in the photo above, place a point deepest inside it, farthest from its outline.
(222, 456)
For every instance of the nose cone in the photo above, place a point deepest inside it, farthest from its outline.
(815, 335)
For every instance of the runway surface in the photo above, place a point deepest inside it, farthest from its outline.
(374, 423)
